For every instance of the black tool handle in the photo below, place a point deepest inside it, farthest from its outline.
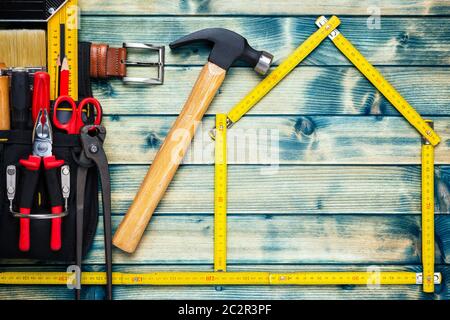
(20, 99)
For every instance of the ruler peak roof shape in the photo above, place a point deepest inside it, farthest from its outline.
(329, 28)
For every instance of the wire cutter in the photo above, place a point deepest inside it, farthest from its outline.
(42, 153)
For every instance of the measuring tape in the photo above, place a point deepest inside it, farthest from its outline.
(280, 72)
(62, 29)
(220, 195)
(217, 278)
(428, 214)
(386, 89)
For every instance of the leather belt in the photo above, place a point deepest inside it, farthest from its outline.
(107, 62)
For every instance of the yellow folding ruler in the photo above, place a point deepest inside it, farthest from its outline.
(279, 73)
(220, 276)
(428, 214)
(62, 41)
(220, 195)
(217, 278)
(386, 89)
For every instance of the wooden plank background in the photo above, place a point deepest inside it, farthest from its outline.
(345, 194)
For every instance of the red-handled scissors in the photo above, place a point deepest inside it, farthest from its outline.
(76, 121)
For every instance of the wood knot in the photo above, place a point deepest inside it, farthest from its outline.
(104, 87)
(374, 104)
(304, 126)
(152, 140)
(403, 39)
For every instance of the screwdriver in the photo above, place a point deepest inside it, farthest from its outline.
(20, 99)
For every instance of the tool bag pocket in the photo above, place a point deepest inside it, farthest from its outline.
(16, 145)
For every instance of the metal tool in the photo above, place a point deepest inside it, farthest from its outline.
(31, 71)
(159, 64)
(11, 189)
(428, 213)
(93, 154)
(77, 120)
(228, 47)
(42, 152)
(386, 89)
(279, 73)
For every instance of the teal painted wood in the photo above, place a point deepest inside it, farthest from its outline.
(345, 196)
(400, 41)
(282, 239)
(305, 140)
(263, 7)
(270, 239)
(238, 292)
(308, 90)
(291, 190)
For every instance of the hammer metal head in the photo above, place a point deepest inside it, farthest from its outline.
(228, 46)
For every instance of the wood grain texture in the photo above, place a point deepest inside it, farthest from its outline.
(263, 7)
(400, 41)
(308, 90)
(168, 158)
(346, 195)
(282, 239)
(281, 139)
(235, 292)
(291, 190)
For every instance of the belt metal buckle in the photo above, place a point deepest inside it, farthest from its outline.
(159, 64)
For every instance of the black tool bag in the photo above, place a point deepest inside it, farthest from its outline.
(16, 145)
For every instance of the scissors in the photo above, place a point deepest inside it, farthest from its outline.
(76, 121)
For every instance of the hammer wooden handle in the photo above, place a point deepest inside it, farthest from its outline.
(168, 158)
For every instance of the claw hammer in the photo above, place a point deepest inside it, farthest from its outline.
(227, 47)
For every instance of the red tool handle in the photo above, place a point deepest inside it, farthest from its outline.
(70, 126)
(50, 163)
(30, 178)
(76, 122)
(87, 104)
(24, 236)
(41, 94)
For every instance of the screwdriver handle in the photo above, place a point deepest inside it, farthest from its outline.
(20, 99)
(41, 94)
(5, 122)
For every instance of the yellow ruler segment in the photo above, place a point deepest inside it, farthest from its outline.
(375, 77)
(342, 278)
(220, 195)
(67, 15)
(428, 214)
(53, 48)
(72, 46)
(217, 278)
(280, 72)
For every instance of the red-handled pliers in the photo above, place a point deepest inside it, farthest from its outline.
(42, 152)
